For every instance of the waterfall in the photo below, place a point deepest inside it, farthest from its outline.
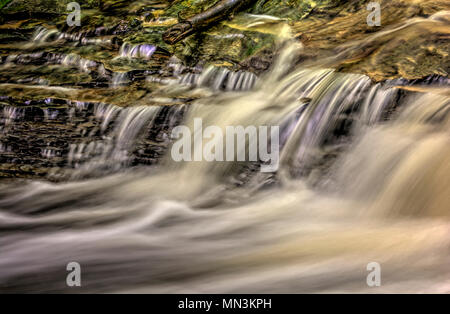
(220, 79)
(363, 177)
(119, 79)
(307, 104)
(143, 51)
(113, 151)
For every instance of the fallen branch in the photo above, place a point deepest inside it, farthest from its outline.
(218, 12)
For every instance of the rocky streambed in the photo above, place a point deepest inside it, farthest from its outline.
(55, 79)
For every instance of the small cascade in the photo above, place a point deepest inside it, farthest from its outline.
(29, 58)
(176, 66)
(218, 79)
(362, 168)
(120, 79)
(331, 97)
(106, 113)
(73, 60)
(238, 81)
(378, 99)
(123, 78)
(312, 108)
(113, 151)
(78, 134)
(137, 51)
(189, 79)
(44, 35)
(67, 60)
(50, 114)
(10, 114)
(48, 153)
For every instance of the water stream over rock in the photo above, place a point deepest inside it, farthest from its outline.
(86, 124)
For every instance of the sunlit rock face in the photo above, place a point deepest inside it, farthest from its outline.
(409, 43)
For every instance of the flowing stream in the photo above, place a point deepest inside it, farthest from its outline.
(363, 177)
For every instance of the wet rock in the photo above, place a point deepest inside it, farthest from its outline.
(259, 63)
(84, 63)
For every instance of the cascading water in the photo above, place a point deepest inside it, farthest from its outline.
(220, 79)
(137, 51)
(113, 151)
(364, 177)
